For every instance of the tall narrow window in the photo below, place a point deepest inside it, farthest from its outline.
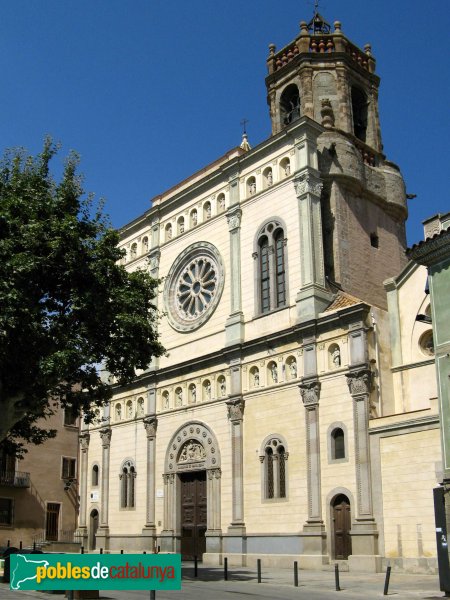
(95, 476)
(271, 260)
(359, 109)
(337, 444)
(282, 470)
(280, 274)
(264, 274)
(269, 471)
(289, 105)
(127, 485)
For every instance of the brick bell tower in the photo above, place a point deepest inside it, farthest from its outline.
(324, 76)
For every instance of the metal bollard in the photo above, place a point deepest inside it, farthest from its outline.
(8, 544)
(101, 550)
(258, 565)
(121, 552)
(336, 577)
(34, 545)
(145, 552)
(82, 550)
(20, 545)
(386, 581)
(69, 594)
(295, 573)
(195, 566)
(152, 595)
(225, 569)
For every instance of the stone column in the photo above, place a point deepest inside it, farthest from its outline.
(364, 533)
(168, 533)
(314, 529)
(234, 326)
(150, 424)
(84, 465)
(236, 415)
(312, 298)
(214, 532)
(103, 531)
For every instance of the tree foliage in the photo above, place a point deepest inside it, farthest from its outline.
(66, 304)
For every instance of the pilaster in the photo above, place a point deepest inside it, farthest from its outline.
(235, 408)
(168, 542)
(234, 326)
(84, 439)
(313, 297)
(364, 532)
(103, 531)
(150, 424)
(214, 532)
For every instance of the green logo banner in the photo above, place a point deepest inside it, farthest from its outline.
(95, 572)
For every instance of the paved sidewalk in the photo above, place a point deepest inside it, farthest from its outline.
(276, 585)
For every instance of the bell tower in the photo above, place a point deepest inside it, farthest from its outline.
(323, 64)
(323, 76)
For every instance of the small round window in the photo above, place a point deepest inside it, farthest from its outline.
(194, 286)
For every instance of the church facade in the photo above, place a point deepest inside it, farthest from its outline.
(278, 426)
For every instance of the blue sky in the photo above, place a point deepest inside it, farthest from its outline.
(148, 91)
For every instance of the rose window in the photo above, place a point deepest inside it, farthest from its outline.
(194, 286)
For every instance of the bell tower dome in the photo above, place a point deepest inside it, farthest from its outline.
(321, 64)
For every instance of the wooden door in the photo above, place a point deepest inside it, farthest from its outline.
(193, 514)
(52, 522)
(342, 525)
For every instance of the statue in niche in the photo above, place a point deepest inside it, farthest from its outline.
(118, 412)
(129, 411)
(256, 379)
(194, 218)
(169, 232)
(293, 369)
(336, 356)
(181, 227)
(208, 390)
(274, 372)
(223, 388)
(140, 409)
(193, 393)
(179, 397)
(269, 178)
(287, 169)
(222, 203)
(165, 401)
(208, 211)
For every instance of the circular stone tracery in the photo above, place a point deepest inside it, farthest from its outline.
(194, 286)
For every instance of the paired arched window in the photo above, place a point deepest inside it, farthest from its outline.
(95, 475)
(289, 105)
(271, 275)
(274, 459)
(127, 479)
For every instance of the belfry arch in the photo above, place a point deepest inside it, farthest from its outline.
(193, 449)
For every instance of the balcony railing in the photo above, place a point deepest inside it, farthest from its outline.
(15, 479)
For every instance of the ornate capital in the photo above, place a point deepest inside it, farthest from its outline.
(105, 435)
(214, 473)
(307, 183)
(359, 381)
(235, 409)
(84, 441)
(310, 392)
(151, 425)
(234, 219)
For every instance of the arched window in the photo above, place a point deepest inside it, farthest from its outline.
(274, 473)
(289, 105)
(271, 275)
(359, 110)
(95, 475)
(127, 479)
(337, 444)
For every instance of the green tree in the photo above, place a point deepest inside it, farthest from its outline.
(66, 304)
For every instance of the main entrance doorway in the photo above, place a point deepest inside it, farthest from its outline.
(193, 514)
(342, 525)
